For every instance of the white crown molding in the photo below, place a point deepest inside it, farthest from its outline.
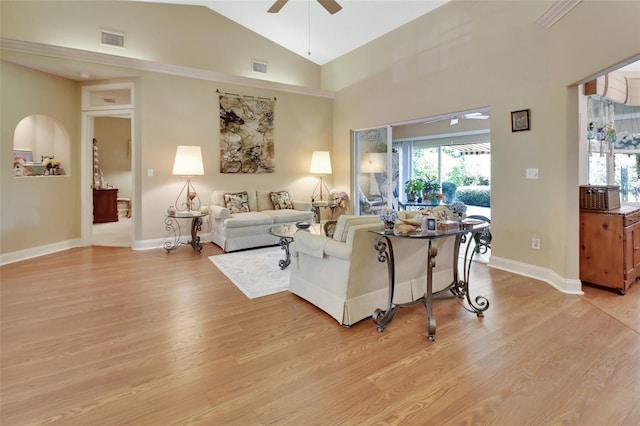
(144, 65)
(557, 10)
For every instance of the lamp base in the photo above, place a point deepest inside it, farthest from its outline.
(192, 200)
(319, 196)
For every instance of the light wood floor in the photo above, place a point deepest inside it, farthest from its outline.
(111, 336)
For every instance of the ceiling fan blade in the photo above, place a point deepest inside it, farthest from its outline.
(275, 8)
(330, 5)
(476, 116)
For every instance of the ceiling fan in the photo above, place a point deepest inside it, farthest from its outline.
(330, 5)
(455, 119)
(476, 116)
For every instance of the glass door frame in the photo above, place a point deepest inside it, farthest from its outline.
(371, 148)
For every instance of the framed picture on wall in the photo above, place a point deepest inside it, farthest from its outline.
(22, 156)
(520, 120)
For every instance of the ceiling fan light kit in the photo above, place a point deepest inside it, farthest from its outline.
(330, 6)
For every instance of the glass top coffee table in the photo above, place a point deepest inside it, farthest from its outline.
(286, 232)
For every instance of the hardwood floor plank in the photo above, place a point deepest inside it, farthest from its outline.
(107, 335)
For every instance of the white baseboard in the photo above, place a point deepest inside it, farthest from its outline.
(30, 253)
(565, 285)
(159, 242)
(550, 277)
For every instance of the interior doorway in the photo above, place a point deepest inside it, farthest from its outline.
(112, 173)
(108, 164)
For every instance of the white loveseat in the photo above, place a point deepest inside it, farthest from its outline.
(343, 277)
(237, 231)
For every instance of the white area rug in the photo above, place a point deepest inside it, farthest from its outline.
(255, 272)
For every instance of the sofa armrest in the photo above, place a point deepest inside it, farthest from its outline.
(337, 249)
(304, 206)
(310, 244)
(219, 212)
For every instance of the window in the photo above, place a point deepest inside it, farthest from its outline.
(614, 160)
(462, 171)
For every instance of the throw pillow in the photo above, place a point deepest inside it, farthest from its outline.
(330, 228)
(281, 200)
(237, 202)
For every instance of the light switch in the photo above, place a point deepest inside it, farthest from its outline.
(149, 172)
(532, 173)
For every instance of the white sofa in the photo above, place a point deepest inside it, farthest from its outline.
(343, 277)
(237, 231)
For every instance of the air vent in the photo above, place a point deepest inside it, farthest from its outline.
(111, 38)
(258, 66)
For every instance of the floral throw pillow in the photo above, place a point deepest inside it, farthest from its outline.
(237, 202)
(281, 200)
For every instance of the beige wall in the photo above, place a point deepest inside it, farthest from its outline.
(171, 111)
(190, 36)
(40, 210)
(181, 111)
(467, 55)
(463, 56)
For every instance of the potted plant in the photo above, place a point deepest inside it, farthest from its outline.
(431, 190)
(413, 188)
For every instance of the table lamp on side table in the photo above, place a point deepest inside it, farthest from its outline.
(188, 163)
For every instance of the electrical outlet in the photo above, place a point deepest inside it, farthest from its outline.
(535, 243)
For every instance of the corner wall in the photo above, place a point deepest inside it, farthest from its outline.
(467, 55)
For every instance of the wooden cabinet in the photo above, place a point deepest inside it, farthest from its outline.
(105, 205)
(610, 247)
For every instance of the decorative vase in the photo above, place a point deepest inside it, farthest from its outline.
(388, 226)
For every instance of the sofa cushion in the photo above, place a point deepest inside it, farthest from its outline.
(217, 198)
(240, 220)
(280, 200)
(288, 215)
(237, 202)
(347, 221)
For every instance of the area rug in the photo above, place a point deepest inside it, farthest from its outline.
(255, 272)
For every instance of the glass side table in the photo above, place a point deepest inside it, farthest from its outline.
(172, 222)
(317, 205)
(466, 230)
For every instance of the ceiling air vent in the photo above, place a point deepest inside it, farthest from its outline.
(258, 66)
(111, 39)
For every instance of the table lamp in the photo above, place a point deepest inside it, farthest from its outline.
(320, 165)
(188, 163)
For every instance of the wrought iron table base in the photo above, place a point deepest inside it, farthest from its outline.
(458, 288)
(284, 245)
(173, 225)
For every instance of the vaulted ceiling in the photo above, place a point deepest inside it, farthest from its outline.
(307, 29)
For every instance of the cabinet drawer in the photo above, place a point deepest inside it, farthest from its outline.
(632, 218)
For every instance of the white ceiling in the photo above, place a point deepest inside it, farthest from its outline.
(307, 29)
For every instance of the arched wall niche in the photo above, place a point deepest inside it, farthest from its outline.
(36, 138)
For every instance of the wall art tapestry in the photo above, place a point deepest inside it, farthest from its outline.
(246, 134)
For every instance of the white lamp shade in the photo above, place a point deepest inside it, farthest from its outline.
(188, 161)
(372, 162)
(320, 163)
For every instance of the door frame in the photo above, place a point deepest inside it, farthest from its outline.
(86, 156)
